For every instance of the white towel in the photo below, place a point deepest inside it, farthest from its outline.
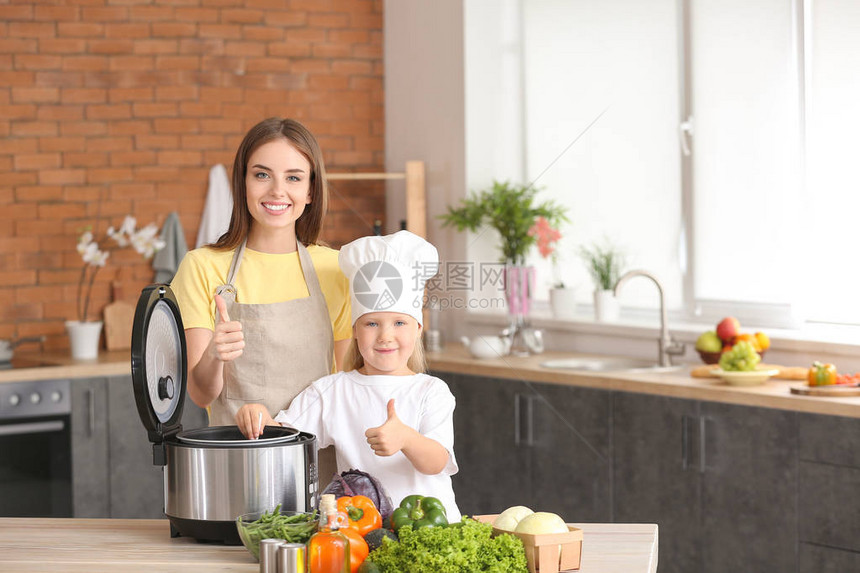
(165, 263)
(219, 206)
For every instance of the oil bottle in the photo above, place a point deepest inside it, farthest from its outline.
(328, 549)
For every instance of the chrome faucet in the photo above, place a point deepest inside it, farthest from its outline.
(668, 346)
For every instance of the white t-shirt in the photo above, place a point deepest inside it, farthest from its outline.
(338, 409)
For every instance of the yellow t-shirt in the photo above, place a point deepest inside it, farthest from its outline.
(263, 278)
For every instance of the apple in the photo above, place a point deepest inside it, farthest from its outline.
(709, 342)
(728, 328)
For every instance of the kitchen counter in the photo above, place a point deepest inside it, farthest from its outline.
(56, 365)
(775, 393)
(679, 384)
(145, 545)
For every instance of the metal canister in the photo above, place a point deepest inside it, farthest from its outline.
(269, 555)
(292, 558)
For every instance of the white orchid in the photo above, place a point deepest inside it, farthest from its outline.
(84, 242)
(94, 256)
(145, 241)
(126, 231)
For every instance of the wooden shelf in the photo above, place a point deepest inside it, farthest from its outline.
(416, 200)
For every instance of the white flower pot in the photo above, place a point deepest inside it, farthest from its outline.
(562, 301)
(84, 339)
(606, 306)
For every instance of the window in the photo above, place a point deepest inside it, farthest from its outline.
(758, 217)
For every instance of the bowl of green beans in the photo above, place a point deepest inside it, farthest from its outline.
(291, 526)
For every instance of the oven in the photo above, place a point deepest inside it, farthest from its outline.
(35, 449)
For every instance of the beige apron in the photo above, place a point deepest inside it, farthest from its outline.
(288, 345)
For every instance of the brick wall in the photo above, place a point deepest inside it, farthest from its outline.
(115, 107)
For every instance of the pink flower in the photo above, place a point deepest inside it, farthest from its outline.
(546, 236)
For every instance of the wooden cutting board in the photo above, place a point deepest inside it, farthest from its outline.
(785, 372)
(119, 318)
(832, 390)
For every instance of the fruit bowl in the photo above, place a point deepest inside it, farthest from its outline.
(292, 526)
(710, 357)
(714, 357)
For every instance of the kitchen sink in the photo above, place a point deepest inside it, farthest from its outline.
(607, 365)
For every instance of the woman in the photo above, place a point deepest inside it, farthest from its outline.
(265, 309)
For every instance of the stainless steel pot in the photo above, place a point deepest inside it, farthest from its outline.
(219, 475)
(211, 475)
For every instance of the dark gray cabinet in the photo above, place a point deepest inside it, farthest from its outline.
(89, 430)
(718, 479)
(655, 469)
(137, 486)
(749, 483)
(539, 445)
(732, 488)
(571, 456)
(491, 455)
(828, 504)
(112, 470)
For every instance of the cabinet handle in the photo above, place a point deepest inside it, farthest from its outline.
(685, 445)
(702, 426)
(519, 412)
(31, 428)
(91, 411)
(516, 419)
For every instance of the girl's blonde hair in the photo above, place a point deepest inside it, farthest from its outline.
(416, 363)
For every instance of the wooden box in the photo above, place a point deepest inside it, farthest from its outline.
(548, 553)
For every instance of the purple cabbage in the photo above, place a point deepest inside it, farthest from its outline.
(356, 482)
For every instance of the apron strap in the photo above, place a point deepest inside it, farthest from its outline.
(228, 289)
(311, 279)
(234, 264)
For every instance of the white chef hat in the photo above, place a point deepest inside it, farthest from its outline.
(388, 273)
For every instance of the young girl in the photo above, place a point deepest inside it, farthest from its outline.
(383, 415)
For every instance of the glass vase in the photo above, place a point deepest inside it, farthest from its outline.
(519, 285)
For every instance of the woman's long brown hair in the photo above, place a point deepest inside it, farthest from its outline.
(308, 226)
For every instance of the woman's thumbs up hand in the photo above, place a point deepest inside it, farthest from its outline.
(391, 437)
(228, 340)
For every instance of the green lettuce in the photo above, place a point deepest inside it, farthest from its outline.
(460, 547)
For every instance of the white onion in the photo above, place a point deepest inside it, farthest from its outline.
(508, 519)
(540, 523)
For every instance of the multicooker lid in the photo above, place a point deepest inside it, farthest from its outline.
(158, 362)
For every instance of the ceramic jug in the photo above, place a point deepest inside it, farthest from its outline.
(485, 346)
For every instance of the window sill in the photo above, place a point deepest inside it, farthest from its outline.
(805, 343)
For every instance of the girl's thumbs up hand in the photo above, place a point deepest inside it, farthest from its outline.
(391, 437)
(228, 340)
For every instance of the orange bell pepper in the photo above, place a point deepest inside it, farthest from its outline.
(821, 374)
(362, 513)
(358, 548)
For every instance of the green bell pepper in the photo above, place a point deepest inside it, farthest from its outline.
(419, 511)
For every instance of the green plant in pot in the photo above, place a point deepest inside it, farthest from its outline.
(512, 210)
(605, 263)
(509, 209)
